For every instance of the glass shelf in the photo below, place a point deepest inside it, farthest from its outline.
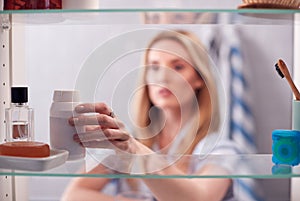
(237, 166)
(117, 17)
(133, 10)
(166, 6)
(112, 6)
(121, 12)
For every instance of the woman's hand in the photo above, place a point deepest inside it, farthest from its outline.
(103, 130)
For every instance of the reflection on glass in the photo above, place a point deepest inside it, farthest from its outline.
(179, 18)
(133, 196)
(281, 169)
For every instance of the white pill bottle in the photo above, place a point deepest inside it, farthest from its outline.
(61, 132)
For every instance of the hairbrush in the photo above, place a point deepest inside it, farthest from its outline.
(274, 4)
(283, 71)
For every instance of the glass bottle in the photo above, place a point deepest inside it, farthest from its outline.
(32, 4)
(19, 117)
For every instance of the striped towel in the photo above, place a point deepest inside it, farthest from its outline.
(240, 127)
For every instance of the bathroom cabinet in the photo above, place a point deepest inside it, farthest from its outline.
(50, 49)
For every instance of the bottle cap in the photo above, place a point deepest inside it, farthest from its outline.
(66, 96)
(19, 94)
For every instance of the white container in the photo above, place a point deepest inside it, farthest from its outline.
(61, 132)
(296, 115)
(80, 4)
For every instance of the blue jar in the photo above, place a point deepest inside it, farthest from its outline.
(286, 147)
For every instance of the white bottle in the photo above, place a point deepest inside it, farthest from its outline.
(61, 132)
(80, 4)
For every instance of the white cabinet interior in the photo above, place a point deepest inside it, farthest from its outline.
(66, 56)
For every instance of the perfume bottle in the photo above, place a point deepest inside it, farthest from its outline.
(19, 118)
(31, 4)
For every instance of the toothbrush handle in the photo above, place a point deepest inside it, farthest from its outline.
(293, 87)
(288, 77)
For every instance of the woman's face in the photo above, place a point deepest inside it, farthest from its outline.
(171, 79)
(173, 18)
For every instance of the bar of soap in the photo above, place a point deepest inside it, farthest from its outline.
(25, 149)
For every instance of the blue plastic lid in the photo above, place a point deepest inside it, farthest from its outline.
(286, 133)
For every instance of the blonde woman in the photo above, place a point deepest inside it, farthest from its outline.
(176, 113)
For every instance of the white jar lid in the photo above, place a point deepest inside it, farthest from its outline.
(66, 96)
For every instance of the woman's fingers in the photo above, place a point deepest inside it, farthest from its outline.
(96, 135)
(97, 119)
(92, 127)
(101, 108)
(98, 144)
(102, 135)
(102, 129)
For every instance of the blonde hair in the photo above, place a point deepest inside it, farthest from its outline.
(207, 97)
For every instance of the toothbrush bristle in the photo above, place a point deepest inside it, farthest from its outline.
(279, 71)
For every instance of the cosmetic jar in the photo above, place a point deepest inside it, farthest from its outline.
(286, 147)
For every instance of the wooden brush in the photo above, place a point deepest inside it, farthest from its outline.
(283, 71)
(273, 4)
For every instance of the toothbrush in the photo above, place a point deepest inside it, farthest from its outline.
(283, 71)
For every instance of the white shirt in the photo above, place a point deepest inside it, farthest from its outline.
(212, 149)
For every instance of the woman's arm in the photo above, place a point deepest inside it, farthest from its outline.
(113, 135)
(163, 189)
(88, 189)
(196, 189)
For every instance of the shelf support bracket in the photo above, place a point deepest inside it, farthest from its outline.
(6, 182)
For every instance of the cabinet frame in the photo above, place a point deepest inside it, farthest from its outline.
(295, 182)
(8, 183)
